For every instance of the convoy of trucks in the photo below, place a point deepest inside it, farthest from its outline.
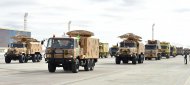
(79, 48)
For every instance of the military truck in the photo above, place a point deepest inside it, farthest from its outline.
(113, 50)
(103, 50)
(173, 51)
(180, 51)
(23, 49)
(79, 49)
(187, 51)
(130, 49)
(152, 50)
(165, 49)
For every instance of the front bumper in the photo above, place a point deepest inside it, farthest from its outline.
(59, 60)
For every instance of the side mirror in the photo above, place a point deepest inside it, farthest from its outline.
(42, 42)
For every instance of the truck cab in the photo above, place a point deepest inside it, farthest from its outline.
(173, 51)
(152, 50)
(165, 49)
(130, 51)
(62, 48)
(15, 52)
(113, 50)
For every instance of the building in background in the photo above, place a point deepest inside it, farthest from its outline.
(5, 37)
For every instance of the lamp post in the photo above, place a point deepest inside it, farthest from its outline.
(69, 23)
(153, 31)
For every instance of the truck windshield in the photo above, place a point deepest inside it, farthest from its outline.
(114, 49)
(65, 43)
(164, 47)
(17, 45)
(123, 44)
(150, 47)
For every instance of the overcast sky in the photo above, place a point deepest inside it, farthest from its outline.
(106, 18)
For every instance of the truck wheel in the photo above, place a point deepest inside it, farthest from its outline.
(7, 60)
(149, 58)
(66, 68)
(87, 66)
(125, 61)
(38, 58)
(75, 66)
(141, 59)
(117, 60)
(26, 59)
(51, 67)
(167, 57)
(111, 56)
(21, 59)
(134, 60)
(34, 58)
(92, 67)
(159, 57)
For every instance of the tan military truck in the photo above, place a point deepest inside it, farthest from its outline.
(180, 51)
(165, 49)
(23, 49)
(186, 51)
(79, 49)
(152, 50)
(113, 50)
(103, 50)
(173, 51)
(130, 49)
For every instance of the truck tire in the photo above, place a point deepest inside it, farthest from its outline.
(117, 60)
(125, 61)
(92, 66)
(149, 58)
(87, 65)
(34, 58)
(75, 66)
(167, 56)
(21, 59)
(26, 59)
(134, 60)
(111, 56)
(159, 57)
(140, 59)
(7, 60)
(66, 68)
(38, 58)
(51, 67)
